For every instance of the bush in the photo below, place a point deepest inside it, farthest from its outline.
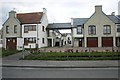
(73, 56)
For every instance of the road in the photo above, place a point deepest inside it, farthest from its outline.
(21, 72)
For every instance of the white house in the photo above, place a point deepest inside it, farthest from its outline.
(26, 30)
(66, 39)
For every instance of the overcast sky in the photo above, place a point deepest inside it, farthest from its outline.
(57, 10)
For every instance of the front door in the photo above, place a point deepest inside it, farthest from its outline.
(80, 43)
(49, 42)
(57, 44)
(11, 43)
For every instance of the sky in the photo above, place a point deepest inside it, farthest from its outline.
(58, 11)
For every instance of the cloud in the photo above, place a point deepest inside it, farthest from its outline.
(58, 10)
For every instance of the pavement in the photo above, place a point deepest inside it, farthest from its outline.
(59, 64)
(13, 61)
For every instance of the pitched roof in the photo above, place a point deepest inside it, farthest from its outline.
(29, 18)
(79, 21)
(59, 26)
(118, 16)
(115, 19)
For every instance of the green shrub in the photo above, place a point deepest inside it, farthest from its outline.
(73, 56)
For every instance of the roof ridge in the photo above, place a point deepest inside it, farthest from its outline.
(60, 23)
(30, 13)
(80, 18)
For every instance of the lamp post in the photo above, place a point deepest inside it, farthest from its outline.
(23, 55)
(89, 53)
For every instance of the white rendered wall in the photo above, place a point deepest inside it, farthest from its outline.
(42, 34)
(75, 33)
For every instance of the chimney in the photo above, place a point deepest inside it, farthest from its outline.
(113, 13)
(44, 10)
(12, 14)
(98, 8)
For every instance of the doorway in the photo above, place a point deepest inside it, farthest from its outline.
(11, 43)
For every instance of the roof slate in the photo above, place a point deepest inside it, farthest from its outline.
(115, 19)
(59, 26)
(79, 21)
(30, 18)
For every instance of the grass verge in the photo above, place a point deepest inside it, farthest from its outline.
(74, 56)
(8, 52)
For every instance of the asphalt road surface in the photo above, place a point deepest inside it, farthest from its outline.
(21, 72)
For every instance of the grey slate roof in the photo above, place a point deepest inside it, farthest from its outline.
(59, 26)
(79, 21)
(115, 19)
(118, 16)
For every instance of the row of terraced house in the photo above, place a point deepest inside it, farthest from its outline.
(31, 30)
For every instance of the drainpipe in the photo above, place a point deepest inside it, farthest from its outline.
(37, 38)
(72, 37)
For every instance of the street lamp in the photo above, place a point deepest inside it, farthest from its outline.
(23, 55)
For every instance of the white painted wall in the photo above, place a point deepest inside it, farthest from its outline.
(30, 34)
(42, 34)
(20, 43)
(30, 45)
(75, 33)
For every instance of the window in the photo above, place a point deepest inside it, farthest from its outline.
(43, 28)
(7, 29)
(15, 28)
(25, 29)
(118, 28)
(92, 29)
(43, 40)
(106, 29)
(25, 41)
(29, 28)
(69, 42)
(79, 29)
(29, 40)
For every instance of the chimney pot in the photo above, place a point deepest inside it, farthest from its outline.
(113, 13)
(44, 10)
